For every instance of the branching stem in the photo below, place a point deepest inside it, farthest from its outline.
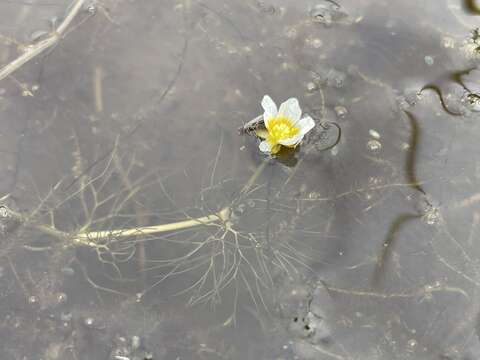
(39, 47)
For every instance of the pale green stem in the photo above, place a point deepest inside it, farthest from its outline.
(91, 238)
(46, 229)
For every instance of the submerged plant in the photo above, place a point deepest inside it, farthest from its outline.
(218, 244)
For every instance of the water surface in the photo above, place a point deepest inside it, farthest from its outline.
(362, 250)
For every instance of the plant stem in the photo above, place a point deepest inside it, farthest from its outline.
(33, 50)
(46, 229)
(91, 238)
(222, 215)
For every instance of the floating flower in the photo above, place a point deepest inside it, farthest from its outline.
(283, 127)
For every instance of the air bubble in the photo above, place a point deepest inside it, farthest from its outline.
(91, 9)
(32, 300)
(3, 212)
(374, 134)
(61, 298)
(89, 322)
(311, 87)
(412, 343)
(341, 111)
(374, 145)
(431, 217)
(317, 43)
(429, 60)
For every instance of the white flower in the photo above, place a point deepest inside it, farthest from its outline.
(283, 127)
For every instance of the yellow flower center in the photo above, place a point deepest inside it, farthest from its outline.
(280, 128)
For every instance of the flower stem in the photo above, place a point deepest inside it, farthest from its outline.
(84, 238)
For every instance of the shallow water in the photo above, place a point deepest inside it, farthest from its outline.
(364, 250)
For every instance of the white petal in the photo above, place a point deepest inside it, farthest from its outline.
(306, 124)
(270, 109)
(294, 140)
(291, 110)
(265, 147)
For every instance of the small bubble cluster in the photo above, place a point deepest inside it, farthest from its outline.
(374, 145)
(341, 111)
(431, 217)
